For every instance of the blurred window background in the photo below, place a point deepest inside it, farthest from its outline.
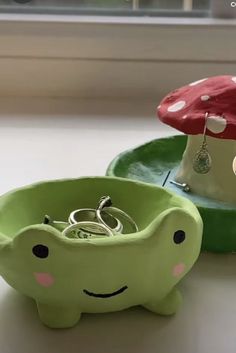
(196, 8)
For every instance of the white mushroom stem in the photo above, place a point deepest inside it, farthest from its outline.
(220, 182)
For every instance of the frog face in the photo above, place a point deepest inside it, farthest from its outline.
(105, 274)
(49, 267)
(97, 275)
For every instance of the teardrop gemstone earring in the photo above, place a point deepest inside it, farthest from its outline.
(202, 159)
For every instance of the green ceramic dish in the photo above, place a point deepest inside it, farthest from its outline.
(152, 163)
(68, 276)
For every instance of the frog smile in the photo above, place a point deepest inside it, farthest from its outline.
(105, 295)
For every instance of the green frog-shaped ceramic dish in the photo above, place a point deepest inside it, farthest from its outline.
(67, 276)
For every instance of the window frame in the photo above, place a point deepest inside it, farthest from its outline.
(99, 56)
(134, 10)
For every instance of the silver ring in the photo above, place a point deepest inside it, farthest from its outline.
(119, 212)
(82, 226)
(89, 214)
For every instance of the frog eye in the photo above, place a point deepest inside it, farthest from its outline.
(179, 236)
(40, 251)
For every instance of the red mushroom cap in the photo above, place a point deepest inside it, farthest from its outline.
(185, 108)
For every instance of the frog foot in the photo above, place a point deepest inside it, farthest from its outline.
(168, 305)
(58, 316)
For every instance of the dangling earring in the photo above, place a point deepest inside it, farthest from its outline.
(202, 160)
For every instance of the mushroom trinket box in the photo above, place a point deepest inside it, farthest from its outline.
(206, 111)
(113, 269)
(201, 162)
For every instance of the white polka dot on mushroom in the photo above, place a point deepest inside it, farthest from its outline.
(234, 165)
(176, 107)
(197, 82)
(216, 123)
(234, 79)
(205, 98)
(159, 107)
(185, 116)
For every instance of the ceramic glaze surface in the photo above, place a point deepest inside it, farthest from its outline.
(219, 183)
(67, 277)
(157, 162)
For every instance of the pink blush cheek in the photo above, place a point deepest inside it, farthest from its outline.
(178, 269)
(44, 279)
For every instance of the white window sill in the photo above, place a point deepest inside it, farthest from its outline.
(87, 134)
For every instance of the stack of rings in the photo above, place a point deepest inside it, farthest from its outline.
(102, 221)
